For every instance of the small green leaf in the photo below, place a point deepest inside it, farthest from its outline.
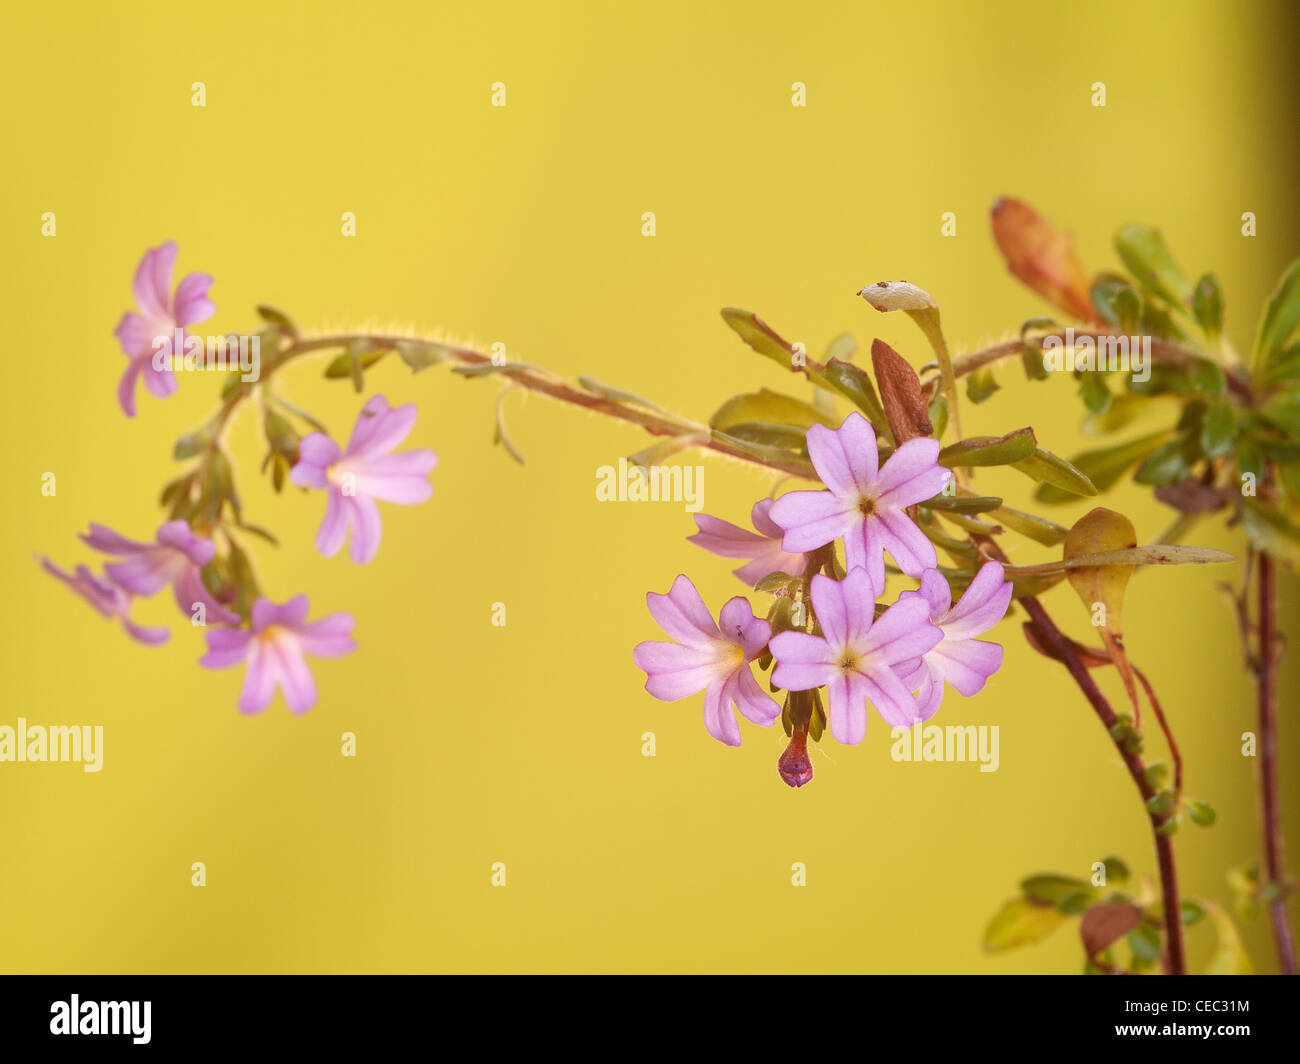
(1142, 249)
(1054, 889)
(1219, 428)
(855, 384)
(1207, 305)
(1271, 531)
(1160, 803)
(962, 504)
(1144, 940)
(1283, 410)
(1166, 463)
(761, 337)
(1207, 376)
(784, 436)
(1201, 813)
(279, 319)
(499, 431)
(980, 384)
(341, 366)
(939, 414)
(1190, 912)
(1117, 872)
(841, 349)
(1119, 303)
(768, 407)
(1039, 529)
(1056, 472)
(1281, 316)
(421, 354)
(990, 450)
(1020, 923)
(193, 442)
(1094, 393)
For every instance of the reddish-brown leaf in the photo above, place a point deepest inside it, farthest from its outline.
(1042, 258)
(900, 393)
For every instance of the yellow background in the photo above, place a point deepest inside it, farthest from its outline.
(522, 225)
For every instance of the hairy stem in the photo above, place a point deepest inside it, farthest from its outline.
(1163, 352)
(535, 380)
(1270, 802)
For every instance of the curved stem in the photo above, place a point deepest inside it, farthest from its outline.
(1163, 352)
(535, 380)
(1061, 649)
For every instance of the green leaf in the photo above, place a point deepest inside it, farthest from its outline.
(1144, 940)
(1270, 531)
(1219, 428)
(1142, 249)
(1250, 459)
(193, 442)
(769, 407)
(421, 354)
(1055, 472)
(938, 410)
(1119, 304)
(1281, 316)
(1166, 463)
(1283, 410)
(486, 369)
(980, 384)
(1104, 466)
(1123, 410)
(776, 456)
(841, 349)
(341, 366)
(854, 384)
(1207, 376)
(499, 430)
(1117, 872)
(1189, 912)
(1230, 957)
(1055, 889)
(990, 450)
(1285, 367)
(279, 319)
(962, 504)
(1094, 393)
(1039, 529)
(1160, 803)
(1020, 923)
(761, 337)
(1201, 813)
(784, 436)
(1207, 305)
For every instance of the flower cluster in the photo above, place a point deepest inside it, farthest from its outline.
(217, 590)
(826, 631)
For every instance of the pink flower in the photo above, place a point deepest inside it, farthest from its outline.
(857, 655)
(109, 599)
(865, 501)
(958, 658)
(176, 558)
(366, 471)
(273, 651)
(764, 547)
(706, 659)
(161, 314)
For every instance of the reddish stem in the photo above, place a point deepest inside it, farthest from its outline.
(1270, 800)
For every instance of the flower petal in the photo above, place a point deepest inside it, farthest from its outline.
(682, 614)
